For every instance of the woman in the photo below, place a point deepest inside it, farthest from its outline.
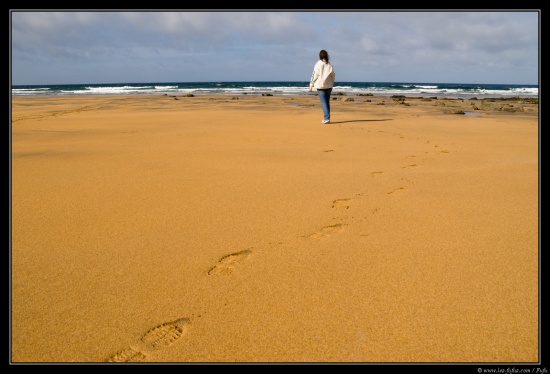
(323, 80)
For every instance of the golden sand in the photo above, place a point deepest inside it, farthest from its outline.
(241, 229)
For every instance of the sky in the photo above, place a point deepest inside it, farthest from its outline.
(87, 47)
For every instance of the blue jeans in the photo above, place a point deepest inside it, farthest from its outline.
(324, 95)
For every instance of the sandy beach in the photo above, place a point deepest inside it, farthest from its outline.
(241, 229)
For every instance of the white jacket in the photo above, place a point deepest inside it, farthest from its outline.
(323, 75)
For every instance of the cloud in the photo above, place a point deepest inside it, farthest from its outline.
(87, 46)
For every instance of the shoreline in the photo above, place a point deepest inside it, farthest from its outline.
(506, 104)
(451, 96)
(458, 90)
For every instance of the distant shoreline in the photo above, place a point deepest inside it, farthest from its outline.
(296, 88)
(334, 94)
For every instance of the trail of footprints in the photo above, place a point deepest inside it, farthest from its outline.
(166, 334)
(344, 203)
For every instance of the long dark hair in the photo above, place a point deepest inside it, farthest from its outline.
(323, 55)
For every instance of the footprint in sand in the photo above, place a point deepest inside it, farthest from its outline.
(341, 203)
(325, 232)
(224, 265)
(159, 337)
(399, 190)
(376, 173)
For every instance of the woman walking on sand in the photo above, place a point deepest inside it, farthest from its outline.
(323, 80)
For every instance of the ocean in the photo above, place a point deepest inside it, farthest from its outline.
(449, 90)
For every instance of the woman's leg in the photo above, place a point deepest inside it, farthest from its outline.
(329, 91)
(324, 96)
